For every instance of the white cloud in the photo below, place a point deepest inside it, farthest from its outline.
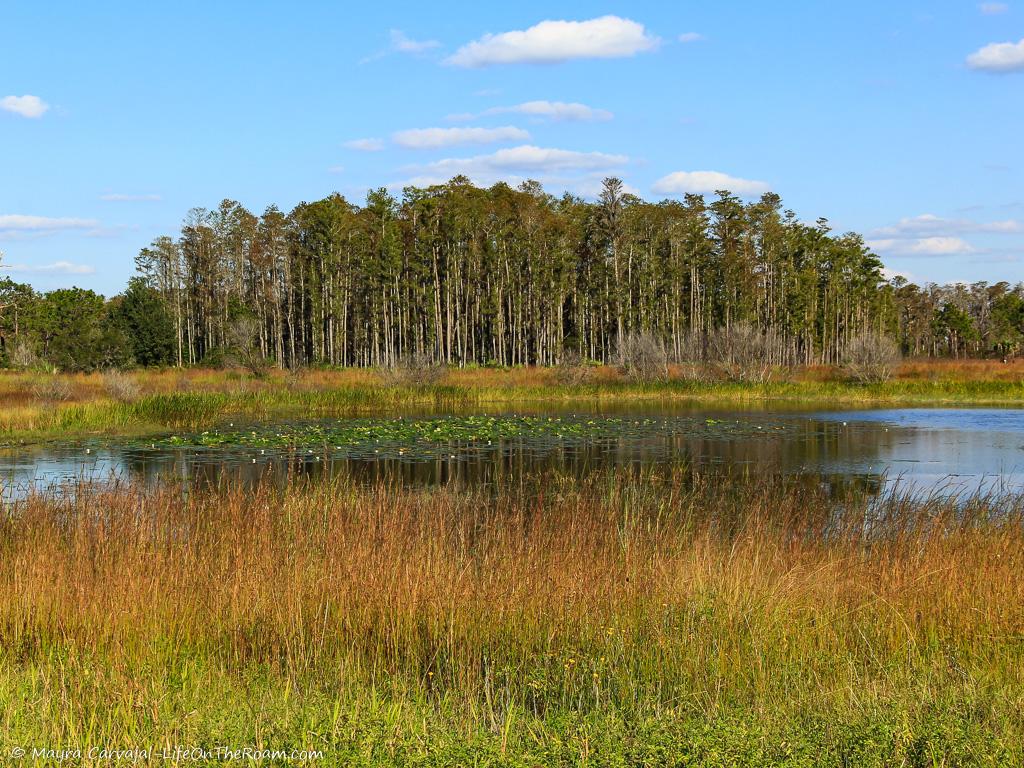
(13, 222)
(555, 110)
(514, 163)
(529, 158)
(117, 197)
(923, 246)
(26, 106)
(701, 182)
(690, 37)
(998, 57)
(365, 145)
(433, 138)
(993, 9)
(931, 235)
(891, 274)
(336, 169)
(109, 232)
(403, 44)
(930, 225)
(550, 42)
(57, 267)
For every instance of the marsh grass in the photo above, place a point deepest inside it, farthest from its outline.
(194, 398)
(653, 619)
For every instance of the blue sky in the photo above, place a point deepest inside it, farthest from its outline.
(902, 121)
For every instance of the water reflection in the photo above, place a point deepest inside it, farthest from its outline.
(948, 450)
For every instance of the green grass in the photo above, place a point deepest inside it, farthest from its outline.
(936, 720)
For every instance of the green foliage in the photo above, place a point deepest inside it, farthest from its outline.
(953, 326)
(948, 724)
(15, 300)
(1006, 331)
(504, 276)
(454, 274)
(393, 438)
(75, 332)
(142, 315)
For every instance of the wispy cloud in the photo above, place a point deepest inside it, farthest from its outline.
(931, 235)
(516, 163)
(930, 225)
(561, 111)
(690, 37)
(119, 197)
(551, 42)
(993, 9)
(923, 246)
(703, 182)
(998, 57)
(890, 274)
(402, 43)
(25, 106)
(57, 267)
(13, 222)
(14, 226)
(365, 145)
(434, 138)
(399, 42)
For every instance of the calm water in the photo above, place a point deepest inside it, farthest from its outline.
(949, 450)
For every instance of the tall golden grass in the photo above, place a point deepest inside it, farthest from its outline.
(21, 388)
(507, 612)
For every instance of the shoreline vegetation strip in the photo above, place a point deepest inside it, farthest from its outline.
(195, 409)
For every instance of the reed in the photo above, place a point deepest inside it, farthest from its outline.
(660, 618)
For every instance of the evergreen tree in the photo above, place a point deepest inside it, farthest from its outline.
(142, 315)
(75, 332)
(463, 275)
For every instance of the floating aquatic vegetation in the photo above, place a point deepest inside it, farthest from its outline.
(419, 437)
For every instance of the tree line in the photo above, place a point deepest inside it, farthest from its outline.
(459, 275)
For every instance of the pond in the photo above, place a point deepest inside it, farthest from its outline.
(927, 449)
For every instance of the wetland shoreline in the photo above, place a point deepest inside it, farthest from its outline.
(36, 407)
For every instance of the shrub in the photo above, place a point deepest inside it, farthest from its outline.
(53, 389)
(573, 370)
(120, 386)
(690, 347)
(295, 378)
(23, 356)
(417, 369)
(642, 357)
(871, 357)
(741, 352)
(690, 354)
(243, 347)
